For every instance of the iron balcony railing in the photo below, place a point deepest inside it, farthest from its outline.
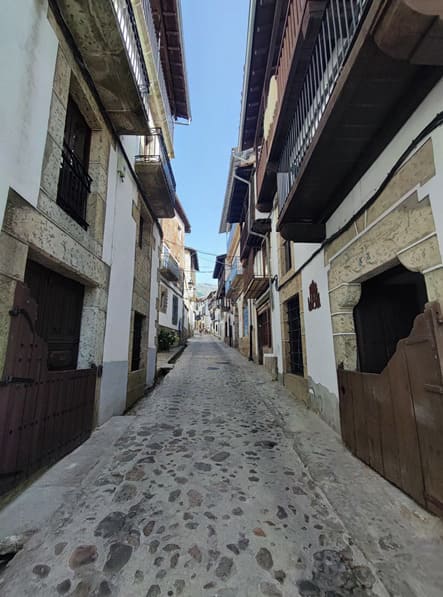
(337, 33)
(74, 186)
(156, 153)
(235, 269)
(128, 30)
(156, 55)
(170, 264)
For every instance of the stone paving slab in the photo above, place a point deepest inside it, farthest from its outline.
(223, 485)
(34, 506)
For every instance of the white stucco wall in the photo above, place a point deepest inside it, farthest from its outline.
(318, 327)
(27, 66)
(131, 144)
(165, 319)
(120, 238)
(277, 344)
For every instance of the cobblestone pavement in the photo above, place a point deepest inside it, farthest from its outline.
(205, 495)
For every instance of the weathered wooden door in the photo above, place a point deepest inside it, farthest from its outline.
(393, 421)
(43, 414)
(264, 333)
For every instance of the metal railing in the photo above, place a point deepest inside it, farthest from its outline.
(74, 186)
(156, 55)
(128, 30)
(221, 285)
(169, 263)
(156, 152)
(235, 269)
(337, 32)
(290, 38)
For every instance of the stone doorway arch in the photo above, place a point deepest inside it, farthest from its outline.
(407, 236)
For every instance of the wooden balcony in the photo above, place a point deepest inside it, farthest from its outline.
(154, 170)
(254, 284)
(221, 285)
(106, 36)
(252, 234)
(369, 70)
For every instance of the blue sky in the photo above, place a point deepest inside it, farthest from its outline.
(215, 44)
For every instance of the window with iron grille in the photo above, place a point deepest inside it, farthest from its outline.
(163, 299)
(174, 310)
(74, 183)
(245, 320)
(137, 341)
(287, 256)
(295, 336)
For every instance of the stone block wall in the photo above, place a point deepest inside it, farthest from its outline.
(141, 298)
(399, 228)
(46, 233)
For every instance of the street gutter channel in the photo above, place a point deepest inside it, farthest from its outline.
(160, 375)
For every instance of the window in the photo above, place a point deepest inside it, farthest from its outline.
(287, 256)
(163, 299)
(140, 232)
(295, 337)
(137, 341)
(245, 320)
(74, 182)
(174, 310)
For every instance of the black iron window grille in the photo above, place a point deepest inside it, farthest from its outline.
(74, 186)
(174, 310)
(295, 336)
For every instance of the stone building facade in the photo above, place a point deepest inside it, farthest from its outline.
(347, 137)
(80, 236)
(172, 274)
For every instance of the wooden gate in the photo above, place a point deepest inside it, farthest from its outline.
(44, 414)
(393, 421)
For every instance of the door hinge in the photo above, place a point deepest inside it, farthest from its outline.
(16, 311)
(10, 379)
(98, 369)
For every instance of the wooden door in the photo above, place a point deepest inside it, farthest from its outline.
(60, 304)
(393, 421)
(43, 414)
(264, 333)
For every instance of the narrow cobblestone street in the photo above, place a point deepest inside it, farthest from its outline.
(223, 485)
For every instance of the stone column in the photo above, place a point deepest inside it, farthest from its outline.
(343, 299)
